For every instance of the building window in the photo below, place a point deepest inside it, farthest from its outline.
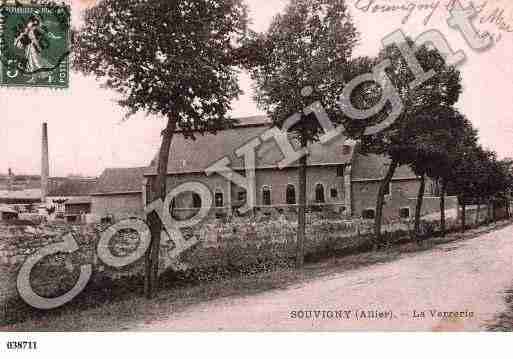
(404, 213)
(266, 196)
(368, 213)
(388, 189)
(241, 196)
(148, 191)
(319, 193)
(334, 193)
(291, 194)
(340, 171)
(219, 199)
(109, 219)
(435, 188)
(196, 200)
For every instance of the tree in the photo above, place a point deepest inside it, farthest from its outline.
(494, 181)
(305, 52)
(487, 179)
(168, 58)
(459, 138)
(442, 89)
(506, 166)
(460, 141)
(465, 173)
(505, 189)
(446, 149)
(435, 135)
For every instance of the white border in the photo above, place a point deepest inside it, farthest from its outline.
(261, 345)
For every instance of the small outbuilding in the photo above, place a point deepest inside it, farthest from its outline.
(7, 213)
(119, 194)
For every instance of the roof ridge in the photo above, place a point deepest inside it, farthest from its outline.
(124, 168)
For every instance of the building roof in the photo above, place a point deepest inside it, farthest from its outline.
(253, 121)
(193, 156)
(250, 121)
(28, 194)
(78, 200)
(74, 187)
(120, 180)
(371, 167)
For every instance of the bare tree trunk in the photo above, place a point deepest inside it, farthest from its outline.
(494, 213)
(158, 191)
(477, 211)
(489, 211)
(463, 214)
(418, 206)
(442, 208)
(301, 230)
(381, 200)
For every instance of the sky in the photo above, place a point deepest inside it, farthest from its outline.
(87, 132)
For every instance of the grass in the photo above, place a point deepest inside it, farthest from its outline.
(114, 306)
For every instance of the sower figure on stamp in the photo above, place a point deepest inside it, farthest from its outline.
(32, 39)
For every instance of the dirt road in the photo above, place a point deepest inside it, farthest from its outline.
(466, 277)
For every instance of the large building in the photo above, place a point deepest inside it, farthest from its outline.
(338, 176)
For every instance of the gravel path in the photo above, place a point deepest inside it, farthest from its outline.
(467, 277)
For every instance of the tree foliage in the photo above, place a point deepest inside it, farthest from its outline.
(301, 61)
(442, 89)
(433, 148)
(420, 102)
(309, 45)
(169, 58)
(166, 56)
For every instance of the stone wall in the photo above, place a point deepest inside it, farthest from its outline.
(237, 242)
(431, 205)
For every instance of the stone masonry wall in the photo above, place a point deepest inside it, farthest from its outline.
(225, 242)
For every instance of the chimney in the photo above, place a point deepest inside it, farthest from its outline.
(45, 165)
(10, 180)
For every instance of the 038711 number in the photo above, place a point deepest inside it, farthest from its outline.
(21, 345)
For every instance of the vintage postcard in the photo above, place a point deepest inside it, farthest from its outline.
(256, 166)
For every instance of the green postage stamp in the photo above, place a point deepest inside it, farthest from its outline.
(34, 45)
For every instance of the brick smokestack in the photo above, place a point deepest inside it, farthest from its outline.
(45, 164)
(10, 180)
